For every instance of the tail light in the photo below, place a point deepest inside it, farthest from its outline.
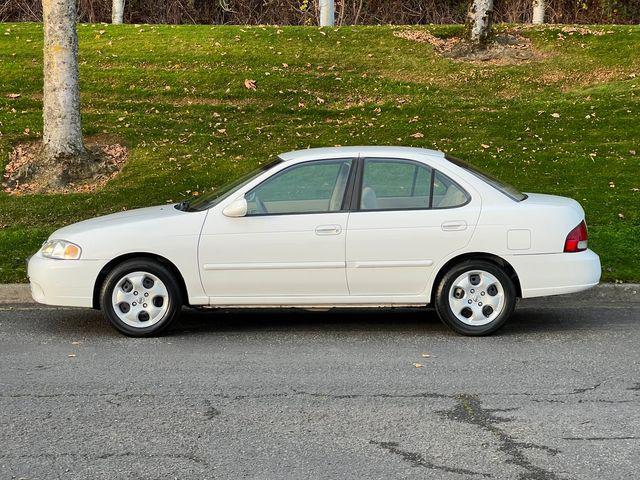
(577, 239)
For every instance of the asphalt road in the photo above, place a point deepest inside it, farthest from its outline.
(296, 394)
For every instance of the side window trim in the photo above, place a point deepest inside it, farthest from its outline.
(356, 200)
(308, 162)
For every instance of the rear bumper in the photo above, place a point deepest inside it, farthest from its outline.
(557, 273)
(63, 282)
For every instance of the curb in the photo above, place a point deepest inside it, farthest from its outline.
(15, 293)
(19, 293)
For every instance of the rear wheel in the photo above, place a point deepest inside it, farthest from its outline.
(140, 297)
(475, 297)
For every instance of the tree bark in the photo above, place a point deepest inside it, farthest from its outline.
(62, 136)
(479, 22)
(539, 7)
(327, 14)
(117, 12)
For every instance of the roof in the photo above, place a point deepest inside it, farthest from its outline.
(375, 151)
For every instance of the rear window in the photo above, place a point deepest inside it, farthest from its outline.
(509, 190)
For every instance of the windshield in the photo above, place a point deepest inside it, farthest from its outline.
(218, 194)
(508, 190)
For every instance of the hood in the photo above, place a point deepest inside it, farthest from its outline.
(119, 219)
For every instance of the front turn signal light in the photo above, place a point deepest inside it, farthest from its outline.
(61, 250)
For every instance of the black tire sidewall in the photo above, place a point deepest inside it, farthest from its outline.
(442, 298)
(142, 265)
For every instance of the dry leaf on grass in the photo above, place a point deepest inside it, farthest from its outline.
(250, 84)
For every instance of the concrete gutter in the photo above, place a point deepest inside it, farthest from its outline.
(622, 293)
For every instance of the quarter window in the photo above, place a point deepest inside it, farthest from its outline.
(447, 193)
(312, 187)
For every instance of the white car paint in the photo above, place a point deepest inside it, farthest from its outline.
(324, 259)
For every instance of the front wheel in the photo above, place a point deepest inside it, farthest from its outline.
(140, 297)
(475, 298)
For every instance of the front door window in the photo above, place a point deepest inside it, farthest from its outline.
(312, 187)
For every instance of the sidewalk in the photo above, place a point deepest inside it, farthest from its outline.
(18, 293)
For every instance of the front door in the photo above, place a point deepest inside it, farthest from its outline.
(291, 243)
(409, 217)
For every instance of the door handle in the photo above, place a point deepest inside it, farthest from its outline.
(328, 230)
(454, 226)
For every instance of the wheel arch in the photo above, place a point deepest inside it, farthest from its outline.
(135, 255)
(490, 257)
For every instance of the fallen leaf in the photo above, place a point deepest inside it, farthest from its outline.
(250, 84)
(555, 115)
(13, 95)
(484, 145)
(417, 135)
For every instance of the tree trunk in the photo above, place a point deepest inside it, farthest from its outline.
(117, 12)
(326, 13)
(62, 136)
(479, 22)
(539, 7)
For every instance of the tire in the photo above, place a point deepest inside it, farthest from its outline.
(475, 309)
(144, 286)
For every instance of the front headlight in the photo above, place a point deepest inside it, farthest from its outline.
(61, 250)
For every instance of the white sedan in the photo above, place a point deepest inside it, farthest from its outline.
(329, 227)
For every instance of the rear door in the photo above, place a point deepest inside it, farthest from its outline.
(407, 217)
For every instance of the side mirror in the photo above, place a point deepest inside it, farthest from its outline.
(237, 208)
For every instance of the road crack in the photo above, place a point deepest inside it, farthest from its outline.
(418, 460)
(469, 410)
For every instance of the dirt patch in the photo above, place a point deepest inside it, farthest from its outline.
(27, 172)
(505, 49)
(584, 79)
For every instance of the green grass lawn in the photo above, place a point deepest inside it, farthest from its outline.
(567, 124)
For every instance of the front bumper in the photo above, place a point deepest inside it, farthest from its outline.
(63, 282)
(557, 273)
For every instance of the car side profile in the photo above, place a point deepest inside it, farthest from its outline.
(327, 227)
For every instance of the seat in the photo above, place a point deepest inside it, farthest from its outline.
(369, 199)
(335, 204)
(452, 198)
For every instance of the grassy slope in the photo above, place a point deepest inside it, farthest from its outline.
(175, 96)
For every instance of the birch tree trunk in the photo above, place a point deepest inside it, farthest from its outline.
(326, 8)
(539, 7)
(479, 22)
(117, 12)
(62, 136)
